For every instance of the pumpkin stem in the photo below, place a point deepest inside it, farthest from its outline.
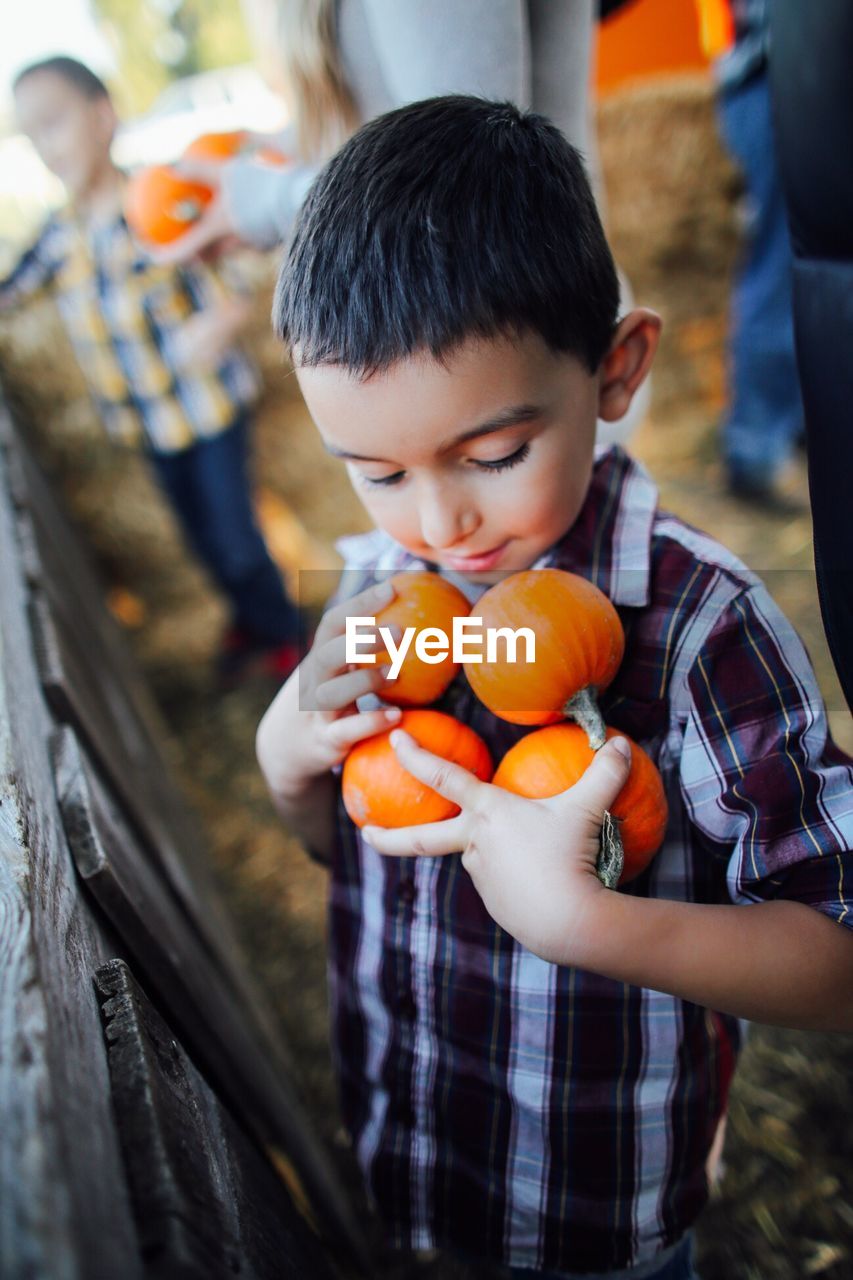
(583, 709)
(611, 857)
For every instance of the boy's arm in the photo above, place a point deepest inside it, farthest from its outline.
(777, 962)
(759, 778)
(204, 339)
(33, 271)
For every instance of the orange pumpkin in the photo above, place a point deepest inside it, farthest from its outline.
(579, 646)
(216, 146)
(377, 789)
(271, 157)
(551, 760)
(422, 600)
(160, 205)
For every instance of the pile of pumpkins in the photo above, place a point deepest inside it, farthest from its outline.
(579, 647)
(161, 204)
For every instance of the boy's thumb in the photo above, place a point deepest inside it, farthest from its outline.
(605, 776)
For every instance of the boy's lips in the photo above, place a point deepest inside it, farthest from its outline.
(475, 563)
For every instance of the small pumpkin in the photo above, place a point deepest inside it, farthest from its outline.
(579, 646)
(160, 205)
(421, 600)
(217, 146)
(377, 789)
(549, 761)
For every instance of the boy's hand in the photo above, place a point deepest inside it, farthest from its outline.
(533, 862)
(201, 342)
(314, 720)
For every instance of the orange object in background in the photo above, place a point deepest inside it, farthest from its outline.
(217, 146)
(648, 38)
(160, 204)
(716, 27)
(271, 157)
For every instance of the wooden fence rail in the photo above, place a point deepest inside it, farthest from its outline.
(148, 1123)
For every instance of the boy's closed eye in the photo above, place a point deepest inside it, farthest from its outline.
(482, 464)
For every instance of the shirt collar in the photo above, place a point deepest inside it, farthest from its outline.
(609, 543)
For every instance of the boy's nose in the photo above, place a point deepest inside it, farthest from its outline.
(445, 522)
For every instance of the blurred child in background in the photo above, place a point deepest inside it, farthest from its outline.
(156, 344)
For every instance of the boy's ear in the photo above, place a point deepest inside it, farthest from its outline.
(627, 362)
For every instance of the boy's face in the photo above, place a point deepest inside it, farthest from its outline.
(70, 132)
(479, 464)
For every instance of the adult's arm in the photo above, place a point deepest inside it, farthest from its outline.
(813, 108)
(533, 52)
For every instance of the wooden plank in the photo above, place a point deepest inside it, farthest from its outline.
(244, 1067)
(64, 1209)
(207, 1203)
(91, 682)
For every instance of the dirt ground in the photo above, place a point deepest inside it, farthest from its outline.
(784, 1208)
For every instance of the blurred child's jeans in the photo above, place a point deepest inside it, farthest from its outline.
(208, 487)
(675, 1263)
(765, 414)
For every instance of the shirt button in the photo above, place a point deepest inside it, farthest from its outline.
(407, 891)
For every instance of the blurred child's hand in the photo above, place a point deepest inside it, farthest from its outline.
(533, 862)
(314, 720)
(202, 341)
(212, 230)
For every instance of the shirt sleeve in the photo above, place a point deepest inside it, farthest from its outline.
(263, 201)
(759, 773)
(34, 270)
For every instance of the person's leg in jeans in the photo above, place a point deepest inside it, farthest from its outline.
(765, 414)
(209, 489)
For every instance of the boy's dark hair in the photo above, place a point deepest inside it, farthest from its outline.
(452, 218)
(76, 73)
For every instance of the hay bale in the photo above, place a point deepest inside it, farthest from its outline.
(671, 192)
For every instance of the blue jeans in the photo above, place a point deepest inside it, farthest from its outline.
(765, 413)
(208, 487)
(677, 1265)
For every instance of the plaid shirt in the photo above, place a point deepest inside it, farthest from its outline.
(123, 313)
(543, 1115)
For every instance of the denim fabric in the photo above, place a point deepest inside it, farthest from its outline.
(677, 1264)
(765, 413)
(208, 487)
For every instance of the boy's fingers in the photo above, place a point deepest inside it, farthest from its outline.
(604, 778)
(330, 658)
(431, 839)
(187, 246)
(449, 780)
(341, 691)
(366, 604)
(349, 730)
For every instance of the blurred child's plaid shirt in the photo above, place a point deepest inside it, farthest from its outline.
(123, 314)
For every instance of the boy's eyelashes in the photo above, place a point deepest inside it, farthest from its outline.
(497, 464)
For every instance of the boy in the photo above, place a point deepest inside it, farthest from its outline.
(533, 1067)
(156, 345)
